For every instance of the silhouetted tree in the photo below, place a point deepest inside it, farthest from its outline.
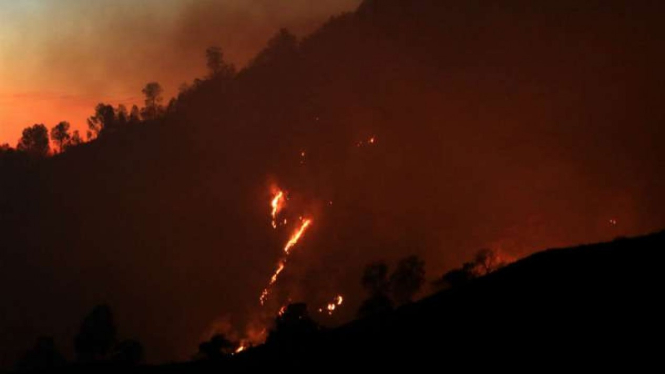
(487, 261)
(216, 347)
(102, 122)
(214, 60)
(42, 357)
(122, 116)
(375, 281)
(61, 136)
(407, 279)
(34, 141)
(75, 140)
(134, 115)
(184, 88)
(6, 154)
(96, 336)
(218, 69)
(281, 47)
(457, 277)
(128, 351)
(153, 101)
(377, 303)
(375, 278)
(292, 326)
(171, 107)
(484, 262)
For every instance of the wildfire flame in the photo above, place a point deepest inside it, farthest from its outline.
(266, 291)
(241, 347)
(264, 296)
(295, 237)
(280, 268)
(276, 204)
(331, 307)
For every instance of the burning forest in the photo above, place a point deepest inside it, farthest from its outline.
(374, 167)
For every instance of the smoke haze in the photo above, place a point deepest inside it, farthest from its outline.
(59, 58)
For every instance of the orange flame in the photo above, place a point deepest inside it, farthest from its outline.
(241, 347)
(266, 291)
(264, 296)
(331, 307)
(280, 268)
(297, 235)
(277, 204)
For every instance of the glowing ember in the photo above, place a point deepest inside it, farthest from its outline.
(241, 347)
(331, 307)
(369, 141)
(264, 296)
(277, 204)
(281, 311)
(613, 222)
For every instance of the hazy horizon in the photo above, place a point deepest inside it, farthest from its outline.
(59, 58)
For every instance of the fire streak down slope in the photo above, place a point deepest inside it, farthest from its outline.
(293, 240)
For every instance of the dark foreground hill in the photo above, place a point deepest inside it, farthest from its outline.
(594, 304)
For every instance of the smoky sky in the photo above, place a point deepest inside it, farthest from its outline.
(58, 58)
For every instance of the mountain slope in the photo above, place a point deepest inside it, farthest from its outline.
(563, 306)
